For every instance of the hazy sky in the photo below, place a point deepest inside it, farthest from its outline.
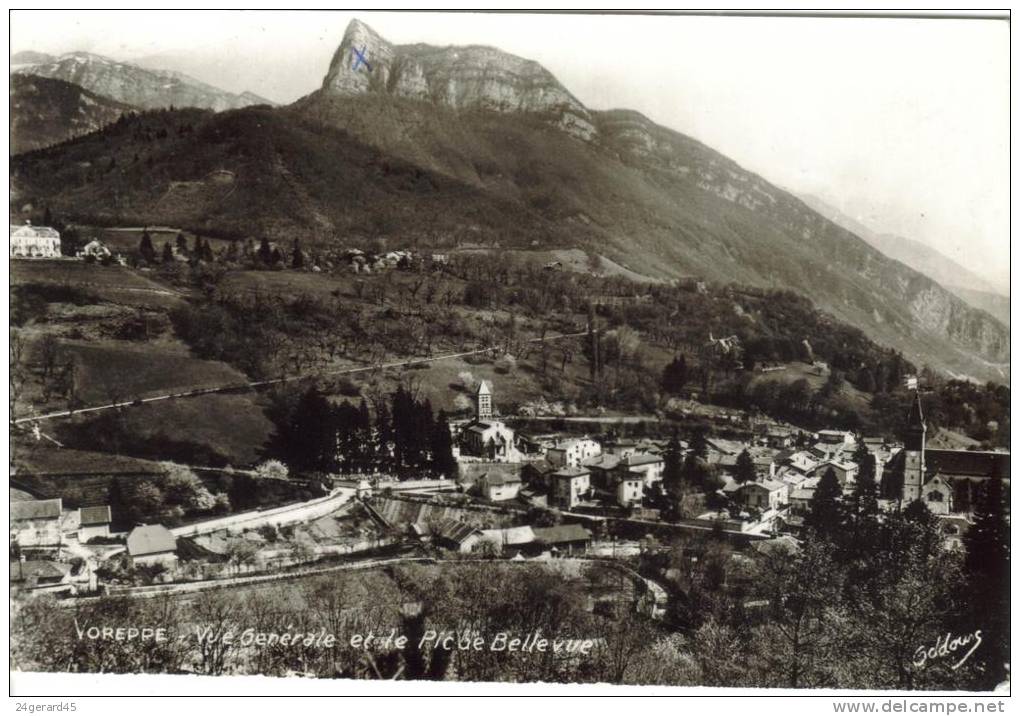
(901, 124)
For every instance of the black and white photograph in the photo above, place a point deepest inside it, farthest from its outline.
(510, 353)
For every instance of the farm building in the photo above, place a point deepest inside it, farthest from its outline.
(93, 522)
(152, 544)
(36, 523)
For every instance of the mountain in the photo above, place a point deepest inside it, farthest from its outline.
(28, 57)
(46, 111)
(994, 303)
(473, 147)
(137, 86)
(463, 78)
(918, 256)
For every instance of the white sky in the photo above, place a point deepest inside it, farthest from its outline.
(902, 124)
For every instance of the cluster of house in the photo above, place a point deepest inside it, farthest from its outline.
(43, 242)
(555, 471)
(571, 473)
(363, 262)
(46, 545)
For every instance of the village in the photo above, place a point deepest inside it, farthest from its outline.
(341, 351)
(516, 496)
(353, 467)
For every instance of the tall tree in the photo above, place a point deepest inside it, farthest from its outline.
(146, 249)
(674, 375)
(298, 258)
(168, 253)
(672, 470)
(987, 566)
(744, 470)
(699, 444)
(443, 461)
(306, 439)
(864, 499)
(825, 511)
(383, 435)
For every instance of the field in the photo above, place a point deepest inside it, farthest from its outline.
(113, 284)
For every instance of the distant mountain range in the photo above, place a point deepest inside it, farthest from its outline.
(55, 98)
(129, 83)
(458, 146)
(974, 289)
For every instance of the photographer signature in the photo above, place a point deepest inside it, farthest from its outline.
(946, 647)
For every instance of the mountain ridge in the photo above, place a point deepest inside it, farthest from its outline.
(135, 85)
(492, 161)
(916, 254)
(47, 111)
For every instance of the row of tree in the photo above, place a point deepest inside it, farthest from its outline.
(402, 437)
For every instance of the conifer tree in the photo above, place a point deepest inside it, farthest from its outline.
(699, 444)
(168, 253)
(864, 499)
(298, 258)
(146, 249)
(825, 511)
(674, 375)
(443, 461)
(383, 435)
(987, 566)
(744, 470)
(673, 469)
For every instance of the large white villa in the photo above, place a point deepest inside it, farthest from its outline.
(36, 242)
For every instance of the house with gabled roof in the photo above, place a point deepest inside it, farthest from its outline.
(152, 544)
(36, 523)
(93, 522)
(457, 536)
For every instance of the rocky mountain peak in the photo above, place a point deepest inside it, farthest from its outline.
(470, 77)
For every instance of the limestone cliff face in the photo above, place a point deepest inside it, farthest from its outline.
(461, 78)
(862, 285)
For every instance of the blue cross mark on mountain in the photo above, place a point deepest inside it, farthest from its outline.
(359, 59)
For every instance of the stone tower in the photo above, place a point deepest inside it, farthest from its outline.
(483, 401)
(913, 452)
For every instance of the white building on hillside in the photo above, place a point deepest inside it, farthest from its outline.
(36, 242)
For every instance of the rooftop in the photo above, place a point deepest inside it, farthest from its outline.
(95, 515)
(150, 539)
(36, 509)
(571, 472)
(561, 534)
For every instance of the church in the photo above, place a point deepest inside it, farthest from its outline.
(947, 481)
(486, 436)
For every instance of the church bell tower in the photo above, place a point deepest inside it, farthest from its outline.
(483, 402)
(913, 451)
